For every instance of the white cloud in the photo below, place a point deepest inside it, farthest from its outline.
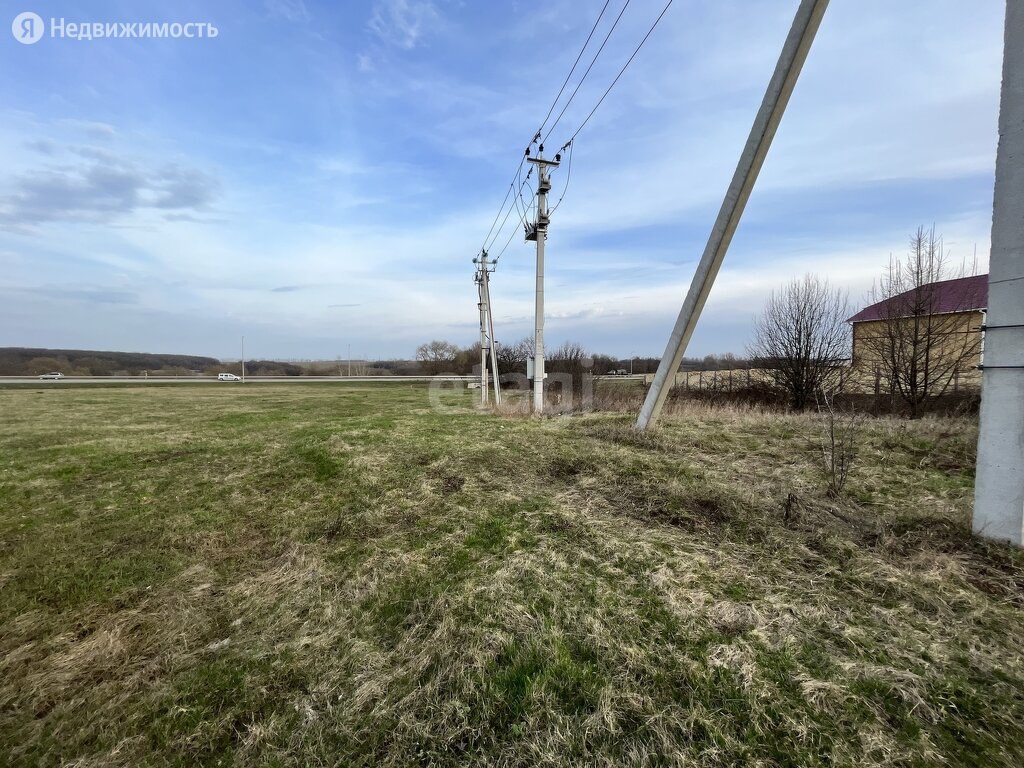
(874, 104)
(402, 23)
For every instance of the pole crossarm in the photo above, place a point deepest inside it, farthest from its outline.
(773, 106)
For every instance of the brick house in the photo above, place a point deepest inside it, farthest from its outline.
(949, 314)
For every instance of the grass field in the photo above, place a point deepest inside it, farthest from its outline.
(343, 575)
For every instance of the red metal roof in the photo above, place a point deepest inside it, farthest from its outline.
(961, 295)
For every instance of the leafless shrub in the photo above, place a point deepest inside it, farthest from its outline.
(840, 434)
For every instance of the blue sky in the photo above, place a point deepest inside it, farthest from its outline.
(321, 174)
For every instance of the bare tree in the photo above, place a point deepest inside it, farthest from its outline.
(437, 356)
(571, 359)
(467, 359)
(841, 430)
(802, 340)
(924, 333)
(512, 357)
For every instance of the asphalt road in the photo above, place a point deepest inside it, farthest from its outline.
(35, 380)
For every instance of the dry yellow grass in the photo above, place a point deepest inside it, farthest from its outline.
(343, 576)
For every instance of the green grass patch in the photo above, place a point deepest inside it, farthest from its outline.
(346, 575)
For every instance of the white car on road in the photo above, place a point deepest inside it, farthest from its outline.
(228, 377)
(52, 376)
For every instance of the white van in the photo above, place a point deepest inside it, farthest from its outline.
(228, 377)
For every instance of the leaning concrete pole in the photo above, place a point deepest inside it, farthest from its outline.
(493, 345)
(791, 61)
(999, 480)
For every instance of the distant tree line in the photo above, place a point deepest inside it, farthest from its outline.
(26, 361)
(440, 356)
(434, 357)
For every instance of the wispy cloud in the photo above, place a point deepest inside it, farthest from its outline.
(94, 128)
(402, 23)
(100, 187)
(276, 172)
(94, 295)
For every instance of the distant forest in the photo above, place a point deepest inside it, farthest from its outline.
(23, 361)
(26, 361)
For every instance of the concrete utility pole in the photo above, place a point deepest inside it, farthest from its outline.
(999, 480)
(243, 359)
(487, 343)
(481, 271)
(780, 87)
(492, 344)
(539, 232)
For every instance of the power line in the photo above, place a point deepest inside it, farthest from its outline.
(579, 56)
(527, 206)
(551, 109)
(587, 72)
(487, 246)
(515, 198)
(571, 142)
(512, 234)
(554, 103)
(624, 66)
(522, 219)
(501, 208)
(568, 174)
(505, 247)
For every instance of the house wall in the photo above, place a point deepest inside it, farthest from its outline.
(955, 327)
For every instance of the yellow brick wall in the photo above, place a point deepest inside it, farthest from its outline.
(960, 324)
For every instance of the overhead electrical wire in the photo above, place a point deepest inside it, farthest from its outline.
(505, 247)
(508, 213)
(568, 175)
(579, 56)
(537, 133)
(517, 195)
(587, 72)
(501, 208)
(515, 202)
(624, 66)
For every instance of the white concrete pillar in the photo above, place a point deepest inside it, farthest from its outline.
(999, 482)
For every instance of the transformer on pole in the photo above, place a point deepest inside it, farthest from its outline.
(538, 232)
